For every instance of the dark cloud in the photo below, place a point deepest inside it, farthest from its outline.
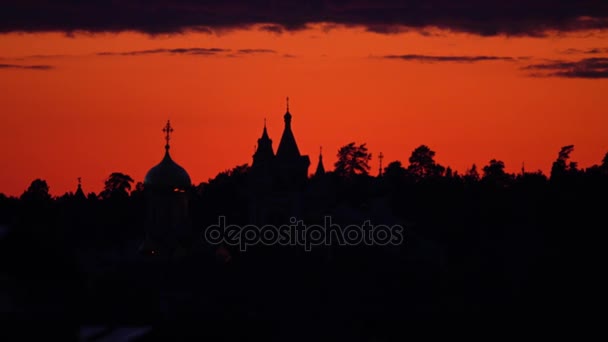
(175, 51)
(178, 51)
(28, 67)
(186, 51)
(253, 51)
(457, 59)
(278, 29)
(482, 17)
(592, 68)
(593, 51)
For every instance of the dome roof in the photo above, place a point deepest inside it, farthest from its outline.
(168, 175)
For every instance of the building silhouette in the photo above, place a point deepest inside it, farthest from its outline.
(275, 191)
(79, 194)
(320, 168)
(167, 188)
(277, 180)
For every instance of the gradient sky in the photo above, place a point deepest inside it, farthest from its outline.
(86, 104)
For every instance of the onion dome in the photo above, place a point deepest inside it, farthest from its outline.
(167, 174)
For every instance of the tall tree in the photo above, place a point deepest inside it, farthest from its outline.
(395, 170)
(353, 160)
(37, 191)
(117, 185)
(472, 175)
(494, 170)
(560, 166)
(422, 163)
(494, 173)
(448, 172)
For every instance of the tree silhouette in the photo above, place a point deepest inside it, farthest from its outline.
(352, 160)
(449, 173)
(225, 195)
(497, 249)
(394, 170)
(117, 185)
(139, 189)
(472, 175)
(37, 191)
(422, 163)
(494, 170)
(560, 167)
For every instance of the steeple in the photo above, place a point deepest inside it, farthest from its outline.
(287, 115)
(168, 130)
(288, 149)
(320, 169)
(167, 174)
(265, 132)
(264, 151)
(79, 194)
(167, 190)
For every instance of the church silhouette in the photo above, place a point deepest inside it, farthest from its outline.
(276, 190)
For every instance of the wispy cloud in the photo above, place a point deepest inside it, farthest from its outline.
(198, 51)
(592, 51)
(195, 51)
(176, 51)
(253, 51)
(590, 68)
(27, 67)
(453, 59)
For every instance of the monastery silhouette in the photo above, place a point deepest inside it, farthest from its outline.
(275, 193)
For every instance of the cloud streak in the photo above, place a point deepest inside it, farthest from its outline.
(177, 51)
(481, 17)
(254, 51)
(589, 68)
(592, 51)
(26, 67)
(452, 59)
(189, 51)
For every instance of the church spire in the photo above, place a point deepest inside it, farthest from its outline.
(167, 130)
(265, 132)
(320, 169)
(287, 115)
(79, 193)
(287, 146)
(263, 153)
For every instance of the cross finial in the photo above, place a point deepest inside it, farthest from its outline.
(168, 130)
(380, 157)
(264, 122)
(79, 180)
(288, 103)
(320, 150)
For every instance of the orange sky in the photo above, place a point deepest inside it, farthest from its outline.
(92, 115)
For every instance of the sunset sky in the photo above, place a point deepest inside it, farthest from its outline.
(86, 89)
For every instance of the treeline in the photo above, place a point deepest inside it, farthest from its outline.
(478, 241)
(413, 192)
